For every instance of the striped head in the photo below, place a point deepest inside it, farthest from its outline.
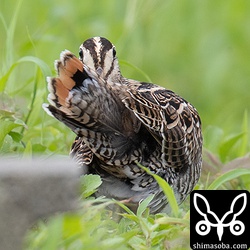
(100, 55)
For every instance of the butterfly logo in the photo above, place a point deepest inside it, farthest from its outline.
(210, 219)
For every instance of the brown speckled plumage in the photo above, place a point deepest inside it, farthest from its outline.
(120, 122)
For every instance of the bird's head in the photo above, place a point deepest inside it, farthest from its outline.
(100, 55)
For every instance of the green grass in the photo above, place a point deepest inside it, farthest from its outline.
(199, 49)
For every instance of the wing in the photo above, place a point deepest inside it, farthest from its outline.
(172, 121)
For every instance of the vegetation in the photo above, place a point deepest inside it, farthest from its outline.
(199, 49)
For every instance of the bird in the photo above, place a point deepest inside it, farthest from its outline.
(122, 124)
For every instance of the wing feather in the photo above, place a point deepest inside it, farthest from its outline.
(172, 121)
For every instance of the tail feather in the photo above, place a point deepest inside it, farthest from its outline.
(85, 103)
(70, 122)
(87, 99)
(76, 93)
(67, 67)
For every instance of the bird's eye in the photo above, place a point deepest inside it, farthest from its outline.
(114, 52)
(81, 54)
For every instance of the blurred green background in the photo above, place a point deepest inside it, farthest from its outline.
(197, 48)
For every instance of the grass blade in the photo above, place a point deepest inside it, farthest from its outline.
(235, 173)
(143, 205)
(243, 148)
(167, 190)
(10, 35)
(40, 63)
(123, 62)
(229, 144)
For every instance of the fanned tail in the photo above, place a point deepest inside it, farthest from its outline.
(79, 94)
(84, 102)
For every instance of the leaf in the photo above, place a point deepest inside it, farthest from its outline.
(227, 177)
(228, 144)
(89, 184)
(168, 191)
(71, 224)
(17, 137)
(143, 205)
(132, 217)
(38, 148)
(171, 220)
(113, 242)
(5, 128)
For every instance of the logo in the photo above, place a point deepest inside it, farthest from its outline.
(220, 219)
(203, 227)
